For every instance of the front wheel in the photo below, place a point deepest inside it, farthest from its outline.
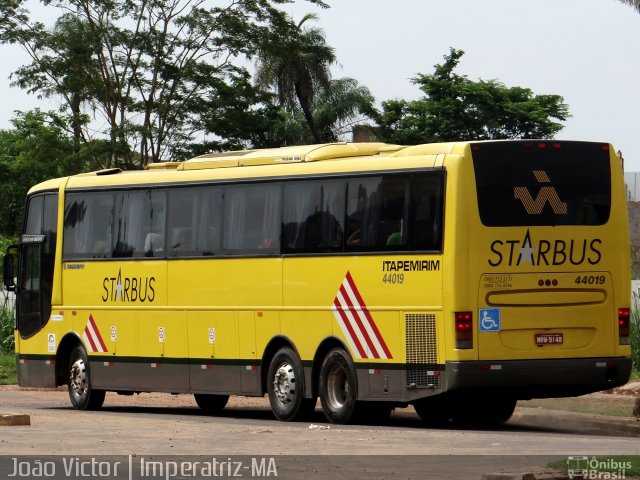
(82, 395)
(338, 386)
(211, 404)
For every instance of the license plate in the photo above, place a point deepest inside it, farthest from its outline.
(549, 339)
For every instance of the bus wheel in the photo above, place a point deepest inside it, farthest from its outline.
(338, 386)
(373, 412)
(434, 411)
(82, 396)
(211, 404)
(483, 412)
(285, 385)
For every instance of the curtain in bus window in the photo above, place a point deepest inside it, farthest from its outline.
(139, 216)
(314, 216)
(208, 222)
(252, 218)
(194, 221)
(88, 224)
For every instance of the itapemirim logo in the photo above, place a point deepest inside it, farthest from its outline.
(600, 468)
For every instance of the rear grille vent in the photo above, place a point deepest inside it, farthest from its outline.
(422, 353)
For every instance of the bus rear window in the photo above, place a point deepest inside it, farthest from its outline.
(528, 183)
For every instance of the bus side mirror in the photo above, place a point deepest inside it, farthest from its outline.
(8, 272)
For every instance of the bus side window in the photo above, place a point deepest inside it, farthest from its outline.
(313, 216)
(139, 213)
(426, 212)
(88, 224)
(377, 209)
(252, 219)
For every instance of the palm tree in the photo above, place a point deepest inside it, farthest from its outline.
(295, 62)
(341, 106)
(634, 3)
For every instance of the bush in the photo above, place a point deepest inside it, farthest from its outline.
(7, 341)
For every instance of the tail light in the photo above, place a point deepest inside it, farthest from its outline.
(464, 330)
(624, 325)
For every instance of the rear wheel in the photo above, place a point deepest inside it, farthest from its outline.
(338, 386)
(484, 411)
(81, 393)
(434, 410)
(285, 386)
(211, 404)
(372, 412)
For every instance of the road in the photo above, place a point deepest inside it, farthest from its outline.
(151, 425)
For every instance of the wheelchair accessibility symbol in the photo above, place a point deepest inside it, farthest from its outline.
(489, 319)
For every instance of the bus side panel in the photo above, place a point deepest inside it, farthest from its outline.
(346, 294)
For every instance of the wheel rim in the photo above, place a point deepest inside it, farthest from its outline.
(78, 378)
(284, 384)
(337, 388)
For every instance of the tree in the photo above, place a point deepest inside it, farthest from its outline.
(634, 3)
(138, 66)
(295, 62)
(36, 149)
(456, 108)
(342, 105)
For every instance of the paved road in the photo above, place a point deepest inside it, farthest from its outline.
(152, 425)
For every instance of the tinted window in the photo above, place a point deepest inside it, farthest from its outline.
(194, 221)
(251, 219)
(521, 184)
(427, 212)
(395, 212)
(37, 264)
(139, 223)
(88, 225)
(313, 216)
(377, 213)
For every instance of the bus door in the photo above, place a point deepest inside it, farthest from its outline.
(36, 265)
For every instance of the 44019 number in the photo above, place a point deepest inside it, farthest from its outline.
(590, 280)
(393, 278)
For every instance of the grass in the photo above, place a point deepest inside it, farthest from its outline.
(614, 406)
(619, 464)
(8, 369)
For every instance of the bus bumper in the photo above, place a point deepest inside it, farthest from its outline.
(526, 379)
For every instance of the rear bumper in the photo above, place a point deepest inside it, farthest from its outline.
(525, 379)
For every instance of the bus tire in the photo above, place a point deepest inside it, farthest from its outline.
(483, 411)
(434, 411)
(211, 404)
(373, 412)
(285, 386)
(338, 386)
(81, 394)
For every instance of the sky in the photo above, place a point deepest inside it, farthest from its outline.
(587, 51)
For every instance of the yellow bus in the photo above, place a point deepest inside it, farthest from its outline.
(454, 277)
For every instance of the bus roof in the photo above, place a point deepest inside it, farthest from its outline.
(299, 160)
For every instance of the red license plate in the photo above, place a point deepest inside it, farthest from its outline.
(549, 338)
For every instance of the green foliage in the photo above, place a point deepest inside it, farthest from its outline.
(296, 61)
(456, 108)
(635, 339)
(634, 3)
(141, 67)
(7, 323)
(37, 149)
(8, 369)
